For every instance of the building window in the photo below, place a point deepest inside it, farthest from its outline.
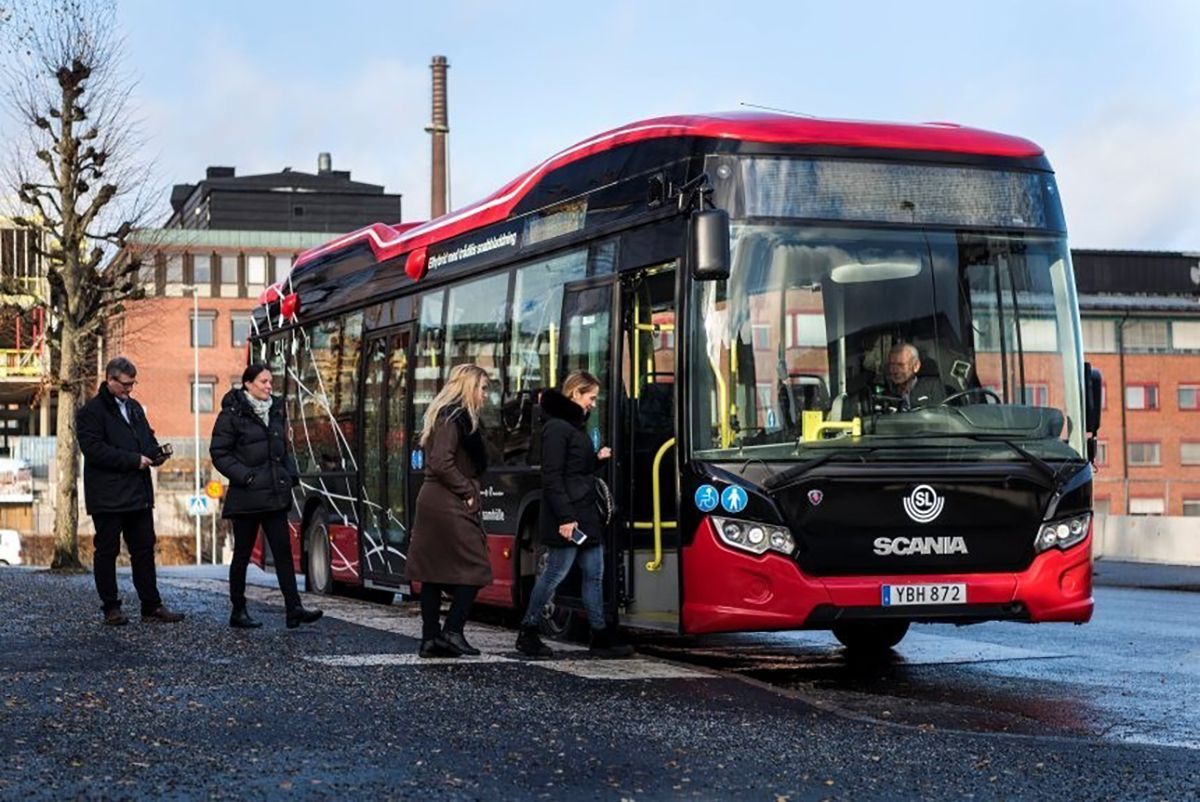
(1141, 396)
(239, 328)
(1103, 394)
(1191, 507)
(283, 266)
(202, 268)
(1101, 453)
(297, 211)
(202, 398)
(1189, 396)
(1189, 453)
(256, 271)
(663, 339)
(175, 269)
(1035, 395)
(1185, 335)
(1144, 454)
(1145, 335)
(762, 337)
(1101, 505)
(805, 330)
(229, 269)
(201, 329)
(1039, 335)
(1146, 506)
(1099, 336)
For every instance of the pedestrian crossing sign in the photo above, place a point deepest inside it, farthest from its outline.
(197, 505)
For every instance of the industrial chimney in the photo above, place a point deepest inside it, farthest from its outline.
(439, 128)
(324, 163)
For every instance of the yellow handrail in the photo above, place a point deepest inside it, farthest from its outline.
(656, 497)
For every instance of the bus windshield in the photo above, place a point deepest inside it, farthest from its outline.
(891, 343)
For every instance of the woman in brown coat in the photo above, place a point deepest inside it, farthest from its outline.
(449, 552)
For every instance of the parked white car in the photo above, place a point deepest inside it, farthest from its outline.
(10, 547)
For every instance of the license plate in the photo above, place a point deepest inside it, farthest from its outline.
(950, 593)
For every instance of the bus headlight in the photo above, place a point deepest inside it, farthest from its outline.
(754, 537)
(1063, 533)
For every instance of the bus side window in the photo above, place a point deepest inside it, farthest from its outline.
(475, 327)
(534, 361)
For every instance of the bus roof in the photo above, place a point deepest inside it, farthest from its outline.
(387, 241)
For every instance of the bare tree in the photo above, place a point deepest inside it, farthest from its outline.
(78, 175)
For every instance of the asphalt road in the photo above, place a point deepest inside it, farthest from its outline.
(343, 709)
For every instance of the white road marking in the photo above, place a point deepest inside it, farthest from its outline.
(498, 645)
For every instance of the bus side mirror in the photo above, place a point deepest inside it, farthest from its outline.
(1093, 388)
(710, 245)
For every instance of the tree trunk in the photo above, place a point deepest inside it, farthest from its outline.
(66, 502)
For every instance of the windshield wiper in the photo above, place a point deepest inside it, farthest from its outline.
(796, 472)
(1053, 476)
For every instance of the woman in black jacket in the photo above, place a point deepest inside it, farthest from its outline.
(249, 447)
(569, 509)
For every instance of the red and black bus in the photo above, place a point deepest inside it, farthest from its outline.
(738, 283)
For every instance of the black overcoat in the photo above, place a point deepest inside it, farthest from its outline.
(113, 479)
(569, 465)
(253, 456)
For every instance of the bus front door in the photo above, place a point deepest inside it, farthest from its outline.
(646, 458)
(385, 461)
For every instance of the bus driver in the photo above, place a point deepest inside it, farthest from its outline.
(913, 391)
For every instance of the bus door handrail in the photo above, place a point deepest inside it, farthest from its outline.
(656, 498)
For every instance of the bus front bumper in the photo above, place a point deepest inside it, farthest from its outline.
(725, 590)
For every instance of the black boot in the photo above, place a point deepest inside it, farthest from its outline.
(436, 647)
(457, 640)
(529, 643)
(606, 644)
(240, 619)
(298, 615)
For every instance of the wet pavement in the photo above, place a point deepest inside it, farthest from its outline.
(343, 709)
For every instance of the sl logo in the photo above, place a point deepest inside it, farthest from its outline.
(923, 504)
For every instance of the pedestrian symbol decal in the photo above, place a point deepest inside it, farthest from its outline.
(733, 499)
(418, 459)
(706, 498)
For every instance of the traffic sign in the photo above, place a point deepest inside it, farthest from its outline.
(197, 505)
(214, 489)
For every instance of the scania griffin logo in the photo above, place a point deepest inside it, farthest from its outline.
(907, 546)
(923, 504)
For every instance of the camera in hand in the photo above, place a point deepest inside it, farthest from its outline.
(164, 453)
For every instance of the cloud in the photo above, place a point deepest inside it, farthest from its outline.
(1129, 177)
(247, 114)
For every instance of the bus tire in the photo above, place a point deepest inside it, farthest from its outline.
(318, 571)
(866, 637)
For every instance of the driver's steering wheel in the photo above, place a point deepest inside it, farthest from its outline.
(972, 391)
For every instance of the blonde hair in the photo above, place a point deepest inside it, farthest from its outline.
(460, 388)
(579, 381)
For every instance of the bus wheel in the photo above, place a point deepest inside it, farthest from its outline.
(870, 636)
(317, 573)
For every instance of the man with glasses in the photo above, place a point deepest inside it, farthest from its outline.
(119, 448)
(912, 390)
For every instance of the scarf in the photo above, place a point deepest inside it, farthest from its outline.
(261, 408)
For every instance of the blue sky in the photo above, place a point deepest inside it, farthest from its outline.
(1111, 90)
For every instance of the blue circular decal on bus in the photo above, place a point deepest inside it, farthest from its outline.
(418, 459)
(706, 498)
(733, 499)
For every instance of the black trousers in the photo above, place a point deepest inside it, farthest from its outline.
(461, 599)
(138, 528)
(275, 529)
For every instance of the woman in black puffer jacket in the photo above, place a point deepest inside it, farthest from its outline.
(249, 447)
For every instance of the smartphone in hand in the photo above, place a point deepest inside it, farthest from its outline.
(578, 536)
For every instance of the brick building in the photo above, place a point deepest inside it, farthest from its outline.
(228, 270)
(1140, 313)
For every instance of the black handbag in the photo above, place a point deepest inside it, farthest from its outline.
(604, 501)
